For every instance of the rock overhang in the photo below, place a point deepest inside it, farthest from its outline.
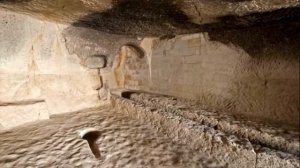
(162, 17)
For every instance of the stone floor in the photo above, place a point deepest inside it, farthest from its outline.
(124, 142)
(147, 130)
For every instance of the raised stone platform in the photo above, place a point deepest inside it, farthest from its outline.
(237, 142)
(20, 112)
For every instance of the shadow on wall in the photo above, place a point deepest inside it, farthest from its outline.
(164, 17)
(262, 19)
(266, 84)
(140, 17)
(153, 17)
(281, 40)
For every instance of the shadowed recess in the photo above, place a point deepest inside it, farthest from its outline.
(159, 18)
(280, 16)
(261, 35)
(140, 17)
(280, 40)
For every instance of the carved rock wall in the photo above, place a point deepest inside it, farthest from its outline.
(252, 72)
(36, 68)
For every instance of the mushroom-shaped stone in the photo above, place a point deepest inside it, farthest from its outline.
(96, 61)
(91, 135)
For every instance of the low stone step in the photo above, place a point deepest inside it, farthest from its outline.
(259, 133)
(229, 148)
(16, 113)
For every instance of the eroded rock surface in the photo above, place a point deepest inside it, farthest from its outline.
(284, 139)
(172, 118)
(252, 72)
(124, 142)
(96, 62)
(238, 56)
(35, 64)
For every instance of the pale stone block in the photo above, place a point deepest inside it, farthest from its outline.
(15, 115)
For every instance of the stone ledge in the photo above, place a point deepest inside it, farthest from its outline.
(273, 137)
(21, 102)
(13, 114)
(237, 152)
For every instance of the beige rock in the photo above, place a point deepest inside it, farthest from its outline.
(104, 93)
(35, 64)
(225, 147)
(95, 62)
(221, 76)
(125, 142)
(15, 115)
(129, 65)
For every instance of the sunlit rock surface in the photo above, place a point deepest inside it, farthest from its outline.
(124, 142)
(35, 65)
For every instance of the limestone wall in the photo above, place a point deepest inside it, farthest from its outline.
(252, 72)
(36, 67)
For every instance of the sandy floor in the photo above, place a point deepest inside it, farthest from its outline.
(124, 142)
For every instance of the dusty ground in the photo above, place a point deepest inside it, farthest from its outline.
(124, 142)
(151, 131)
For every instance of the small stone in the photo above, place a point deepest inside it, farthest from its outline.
(103, 93)
(96, 61)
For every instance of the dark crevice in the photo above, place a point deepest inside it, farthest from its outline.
(126, 95)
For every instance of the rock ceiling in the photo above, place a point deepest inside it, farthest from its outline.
(161, 17)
